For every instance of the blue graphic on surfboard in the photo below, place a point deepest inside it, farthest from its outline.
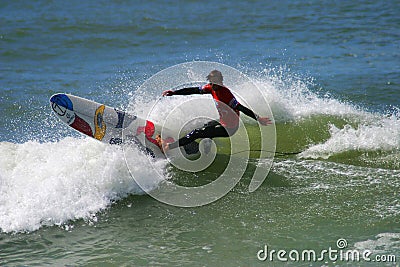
(107, 124)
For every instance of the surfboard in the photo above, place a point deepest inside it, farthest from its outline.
(109, 125)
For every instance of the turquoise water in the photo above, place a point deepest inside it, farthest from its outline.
(330, 71)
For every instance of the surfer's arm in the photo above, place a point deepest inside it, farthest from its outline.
(184, 91)
(247, 111)
(251, 114)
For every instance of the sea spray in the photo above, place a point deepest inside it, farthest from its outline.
(52, 183)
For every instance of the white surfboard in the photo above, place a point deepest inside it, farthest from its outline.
(106, 124)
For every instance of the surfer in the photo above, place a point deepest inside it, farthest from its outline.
(228, 108)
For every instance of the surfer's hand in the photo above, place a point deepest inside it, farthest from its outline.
(167, 93)
(264, 121)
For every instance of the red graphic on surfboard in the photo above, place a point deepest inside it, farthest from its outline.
(82, 126)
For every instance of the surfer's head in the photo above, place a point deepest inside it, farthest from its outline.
(215, 77)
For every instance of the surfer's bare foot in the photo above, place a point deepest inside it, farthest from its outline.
(164, 146)
(159, 140)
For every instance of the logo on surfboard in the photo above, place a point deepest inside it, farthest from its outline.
(100, 125)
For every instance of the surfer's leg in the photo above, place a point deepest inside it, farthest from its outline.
(209, 130)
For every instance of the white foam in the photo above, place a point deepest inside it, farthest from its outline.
(51, 183)
(381, 135)
(292, 98)
(382, 243)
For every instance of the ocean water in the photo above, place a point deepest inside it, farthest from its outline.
(329, 69)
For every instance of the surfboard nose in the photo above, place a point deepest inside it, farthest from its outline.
(61, 100)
